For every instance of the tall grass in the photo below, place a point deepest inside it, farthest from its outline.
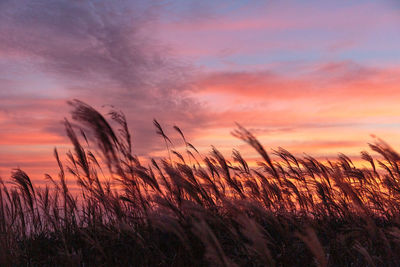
(191, 209)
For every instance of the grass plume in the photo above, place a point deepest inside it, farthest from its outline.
(199, 210)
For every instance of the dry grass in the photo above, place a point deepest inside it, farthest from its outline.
(195, 210)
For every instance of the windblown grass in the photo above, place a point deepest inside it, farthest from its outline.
(199, 210)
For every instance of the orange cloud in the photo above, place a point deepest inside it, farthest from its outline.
(27, 138)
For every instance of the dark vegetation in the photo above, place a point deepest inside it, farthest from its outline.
(195, 210)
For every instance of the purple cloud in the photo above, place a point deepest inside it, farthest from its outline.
(101, 52)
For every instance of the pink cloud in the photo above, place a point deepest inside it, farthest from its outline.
(326, 81)
(273, 27)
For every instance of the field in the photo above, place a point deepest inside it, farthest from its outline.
(191, 209)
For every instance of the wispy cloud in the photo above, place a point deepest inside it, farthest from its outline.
(100, 52)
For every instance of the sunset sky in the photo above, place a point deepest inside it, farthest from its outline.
(318, 77)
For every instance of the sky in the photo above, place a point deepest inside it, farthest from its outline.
(315, 77)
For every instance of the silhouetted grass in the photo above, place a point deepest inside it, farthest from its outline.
(199, 210)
